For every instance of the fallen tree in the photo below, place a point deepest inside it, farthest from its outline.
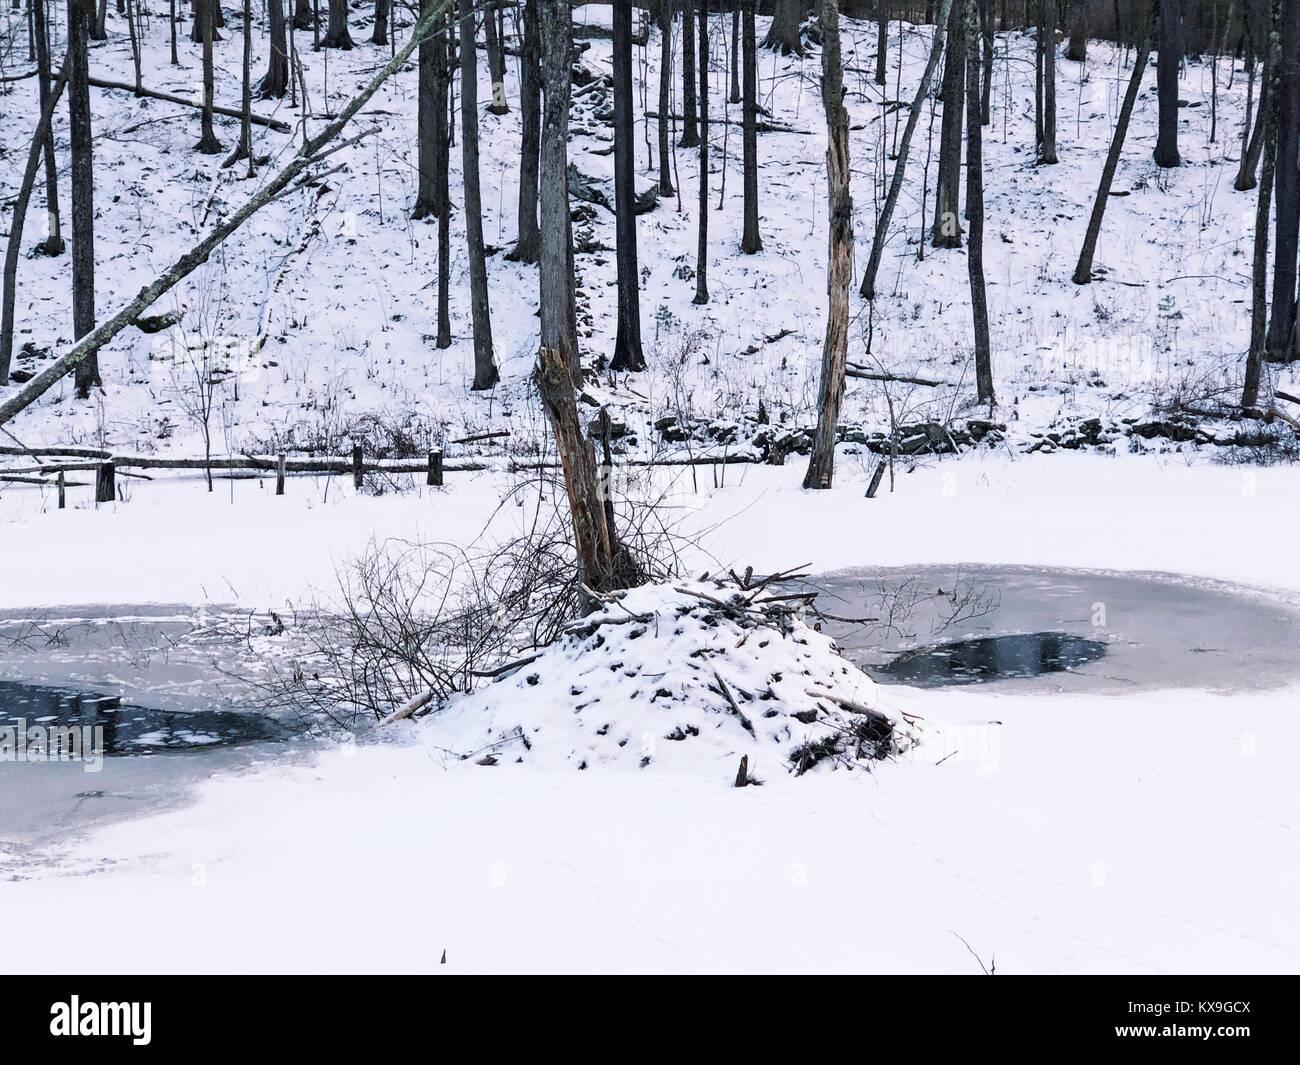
(312, 152)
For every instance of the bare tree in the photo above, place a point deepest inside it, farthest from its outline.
(485, 367)
(244, 148)
(1047, 53)
(1281, 345)
(975, 209)
(496, 60)
(208, 143)
(665, 97)
(882, 39)
(337, 35)
(528, 243)
(702, 246)
(1167, 64)
(53, 242)
(751, 240)
(839, 268)
(1259, 267)
(275, 82)
(559, 327)
(80, 14)
(443, 44)
(947, 225)
(627, 344)
(783, 33)
(690, 130)
(380, 35)
(429, 134)
(1083, 271)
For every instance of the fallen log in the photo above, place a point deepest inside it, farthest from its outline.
(906, 379)
(307, 156)
(153, 94)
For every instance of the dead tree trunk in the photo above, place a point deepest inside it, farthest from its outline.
(868, 289)
(1083, 271)
(839, 270)
(80, 13)
(528, 243)
(975, 210)
(627, 343)
(1167, 63)
(947, 223)
(559, 328)
(485, 367)
(751, 240)
(702, 244)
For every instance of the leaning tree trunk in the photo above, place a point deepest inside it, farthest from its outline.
(485, 367)
(947, 224)
(1083, 271)
(627, 343)
(337, 36)
(53, 242)
(839, 269)
(783, 33)
(1268, 115)
(690, 131)
(751, 240)
(559, 328)
(975, 210)
(1286, 193)
(702, 243)
(496, 61)
(1047, 37)
(1167, 63)
(868, 289)
(275, 82)
(80, 14)
(19, 216)
(1252, 137)
(528, 243)
(665, 97)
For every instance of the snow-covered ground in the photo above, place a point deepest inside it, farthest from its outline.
(1063, 833)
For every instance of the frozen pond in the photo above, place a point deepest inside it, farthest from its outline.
(1059, 629)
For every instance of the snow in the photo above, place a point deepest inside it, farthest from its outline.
(1072, 833)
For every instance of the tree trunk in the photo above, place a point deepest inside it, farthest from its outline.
(751, 240)
(302, 15)
(783, 33)
(882, 39)
(839, 269)
(975, 209)
(1286, 193)
(442, 125)
(275, 82)
(900, 167)
(528, 244)
(627, 344)
(244, 149)
(496, 61)
(947, 223)
(986, 81)
(429, 133)
(337, 36)
(380, 36)
(1252, 139)
(1083, 271)
(1047, 39)
(1268, 115)
(690, 130)
(1077, 48)
(485, 368)
(53, 242)
(80, 13)
(1167, 63)
(702, 244)
(208, 143)
(19, 217)
(737, 94)
(665, 97)
(559, 328)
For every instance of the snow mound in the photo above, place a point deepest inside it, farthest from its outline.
(685, 673)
